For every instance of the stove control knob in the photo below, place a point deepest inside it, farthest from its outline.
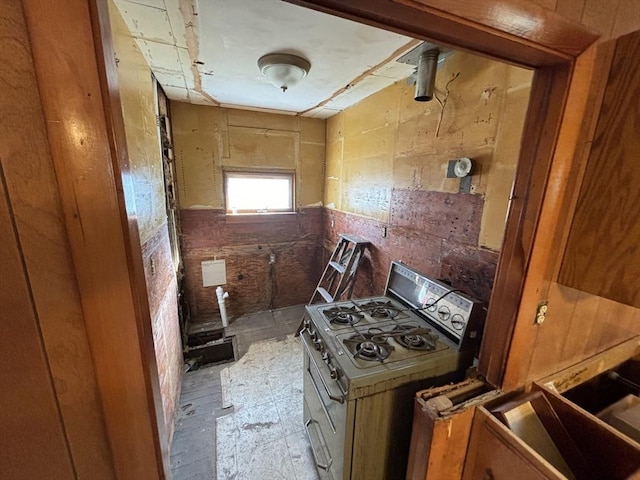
(306, 324)
(431, 304)
(325, 356)
(457, 321)
(333, 372)
(318, 344)
(444, 313)
(313, 335)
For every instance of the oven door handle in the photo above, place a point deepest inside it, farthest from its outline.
(323, 466)
(339, 399)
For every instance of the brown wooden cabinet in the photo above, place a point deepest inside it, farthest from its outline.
(496, 454)
(467, 440)
(602, 256)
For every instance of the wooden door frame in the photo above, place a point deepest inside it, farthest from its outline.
(76, 72)
(521, 33)
(77, 79)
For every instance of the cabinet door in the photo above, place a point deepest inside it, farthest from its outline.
(602, 256)
(496, 454)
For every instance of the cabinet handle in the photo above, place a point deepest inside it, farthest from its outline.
(488, 475)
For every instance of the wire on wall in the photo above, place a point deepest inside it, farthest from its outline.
(443, 102)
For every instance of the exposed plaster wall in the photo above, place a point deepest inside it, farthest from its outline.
(138, 105)
(388, 141)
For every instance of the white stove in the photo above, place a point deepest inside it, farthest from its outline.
(375, 353)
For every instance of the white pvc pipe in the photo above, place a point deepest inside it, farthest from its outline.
(223, 309)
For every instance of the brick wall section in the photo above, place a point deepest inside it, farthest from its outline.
(253, 284)
(162, 293)
(434, 232)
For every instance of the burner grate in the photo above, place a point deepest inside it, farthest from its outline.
(370, 346)
(380, 309)
(414, 337)
(343, 315)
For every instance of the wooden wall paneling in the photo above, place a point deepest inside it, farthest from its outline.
(101, 240)
(473, 26)
(33, 443)
(616, 323)
(31, 185)
(602, 255)
(544, 351)
(627, 18)
(593, 65)
(548, 4)
(600, 15)
(575, 375)
(570, 9)
(580, 328)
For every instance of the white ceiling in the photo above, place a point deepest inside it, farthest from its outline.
(206, 52)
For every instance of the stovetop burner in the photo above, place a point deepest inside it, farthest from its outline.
(371, 346)
(343, 315)
(380, 309)
(414, 337)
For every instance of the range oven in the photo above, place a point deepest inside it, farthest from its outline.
(364, 359)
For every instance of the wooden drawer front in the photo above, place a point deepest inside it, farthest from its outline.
(495, 454)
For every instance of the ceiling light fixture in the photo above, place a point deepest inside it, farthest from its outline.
(283, 70)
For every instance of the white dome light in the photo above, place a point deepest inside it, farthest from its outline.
(283, 70)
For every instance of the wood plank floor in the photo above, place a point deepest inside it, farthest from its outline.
(193, 452)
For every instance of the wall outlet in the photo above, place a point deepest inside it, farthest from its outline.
(272, 258)
(541, 313)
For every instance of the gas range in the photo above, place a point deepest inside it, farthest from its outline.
(372, 355)
(368, 340)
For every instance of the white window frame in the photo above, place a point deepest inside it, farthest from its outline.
(260, 174)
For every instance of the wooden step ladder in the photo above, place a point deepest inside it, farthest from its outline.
(339, 275)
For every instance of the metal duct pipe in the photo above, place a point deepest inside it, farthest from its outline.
(426, 75)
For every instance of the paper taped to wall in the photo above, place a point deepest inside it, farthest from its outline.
(214, 273)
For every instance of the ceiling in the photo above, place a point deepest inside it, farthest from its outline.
(206, 52)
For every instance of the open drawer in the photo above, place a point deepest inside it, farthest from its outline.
(543, 435)
(606, 386)
(548, 433)
(460, 431)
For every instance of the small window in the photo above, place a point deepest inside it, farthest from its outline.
(259, 191)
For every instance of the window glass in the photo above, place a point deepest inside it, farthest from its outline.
(257, 192)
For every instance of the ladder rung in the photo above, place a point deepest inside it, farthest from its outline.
(338, 267)
(354, 239)
(326, 295)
